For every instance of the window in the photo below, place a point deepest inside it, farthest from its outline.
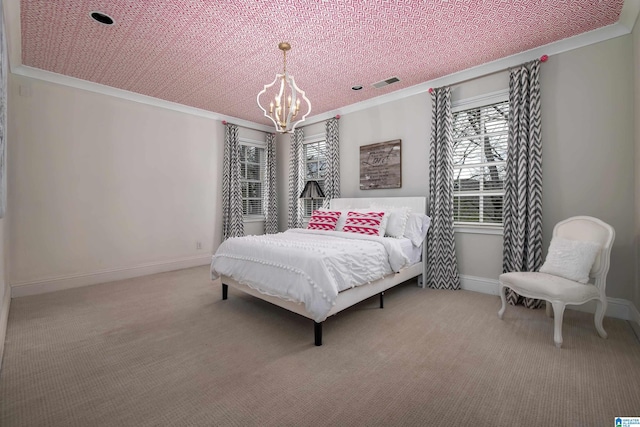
(252, 171)
(315, 167)
(479, 163)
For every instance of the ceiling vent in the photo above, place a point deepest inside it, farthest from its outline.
(386, 82)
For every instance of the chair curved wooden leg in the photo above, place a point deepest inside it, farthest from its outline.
(503, 297)
(558, 313)
(601, 308)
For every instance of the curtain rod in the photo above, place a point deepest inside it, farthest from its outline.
(224, 122)
(543, 58)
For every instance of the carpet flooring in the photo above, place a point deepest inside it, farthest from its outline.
(165, 350)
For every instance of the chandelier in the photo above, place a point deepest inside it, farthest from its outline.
(284, 107)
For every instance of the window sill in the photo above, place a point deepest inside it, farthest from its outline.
(253, 219)
(483, 229)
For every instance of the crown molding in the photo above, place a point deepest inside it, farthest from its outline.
(629, 14)
(624, 26)
(11, 12)
(73, 82)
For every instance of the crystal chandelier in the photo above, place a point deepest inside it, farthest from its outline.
(284, 108)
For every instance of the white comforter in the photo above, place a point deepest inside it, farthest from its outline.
(307, 266)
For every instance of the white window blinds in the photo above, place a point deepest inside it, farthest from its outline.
(252, 171)
(315, 169)
(479, 159)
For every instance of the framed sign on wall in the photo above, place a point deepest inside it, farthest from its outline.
(380, 165)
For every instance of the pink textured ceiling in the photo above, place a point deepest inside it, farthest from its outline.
(217, 55)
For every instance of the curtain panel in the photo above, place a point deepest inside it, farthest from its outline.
(232, 218)
(332, 178)
(442, 267)
(523, 185)
(270, 195)
(296, 179)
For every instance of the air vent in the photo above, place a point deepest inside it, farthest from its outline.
(386, 82)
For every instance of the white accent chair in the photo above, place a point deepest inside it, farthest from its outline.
(560, 291)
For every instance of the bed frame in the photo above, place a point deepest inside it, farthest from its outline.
(351, 296)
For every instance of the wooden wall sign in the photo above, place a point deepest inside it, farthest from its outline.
(380, 165)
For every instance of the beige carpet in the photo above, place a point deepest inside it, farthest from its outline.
(166, 350)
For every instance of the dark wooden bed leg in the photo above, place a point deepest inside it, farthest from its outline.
(225, 291)
(317, 331)
(381, 299)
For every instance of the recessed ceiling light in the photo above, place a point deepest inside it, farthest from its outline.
(356, 87)
(102, 18)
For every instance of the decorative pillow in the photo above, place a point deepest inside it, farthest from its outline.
(385, 218)
(341, 220)
(571, 259)
(416, 228)
(364, 223)
(323, 220)
(397, 219)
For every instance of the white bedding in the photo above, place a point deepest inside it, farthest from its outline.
(413, 253)
(308, 266)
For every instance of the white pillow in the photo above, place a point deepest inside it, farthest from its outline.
(397, 219)
(416, 228)
(571, 259)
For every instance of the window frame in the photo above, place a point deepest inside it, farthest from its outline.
(313, 139)
(468, 104)
(246, 142)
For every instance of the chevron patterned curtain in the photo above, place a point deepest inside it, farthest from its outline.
(332, 178)
(442, 268)
(232, 221)
(270, 194)
(523, 184)
(296, 179)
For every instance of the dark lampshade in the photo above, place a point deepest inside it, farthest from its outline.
(312, 190)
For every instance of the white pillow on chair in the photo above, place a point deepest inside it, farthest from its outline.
(571, 259)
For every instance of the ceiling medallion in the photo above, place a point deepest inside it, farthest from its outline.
(285, 100)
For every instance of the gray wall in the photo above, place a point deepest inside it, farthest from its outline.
(98, 183)
(284, 154)
(588, 147)
(588, 152)
(636, 56)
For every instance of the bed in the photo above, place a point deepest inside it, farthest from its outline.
(317, 274)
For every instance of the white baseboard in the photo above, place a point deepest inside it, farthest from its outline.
(616, 307)
(480, 284)
(4, 319)
(86, 279)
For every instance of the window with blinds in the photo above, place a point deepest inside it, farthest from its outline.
(479, 164)
(252, 171)
(315, 170)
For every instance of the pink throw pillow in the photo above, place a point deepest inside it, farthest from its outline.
(363, 223)
(323, 220)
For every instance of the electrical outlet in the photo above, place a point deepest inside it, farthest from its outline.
(198, 245)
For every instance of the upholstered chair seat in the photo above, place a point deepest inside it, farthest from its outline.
(548, 287)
